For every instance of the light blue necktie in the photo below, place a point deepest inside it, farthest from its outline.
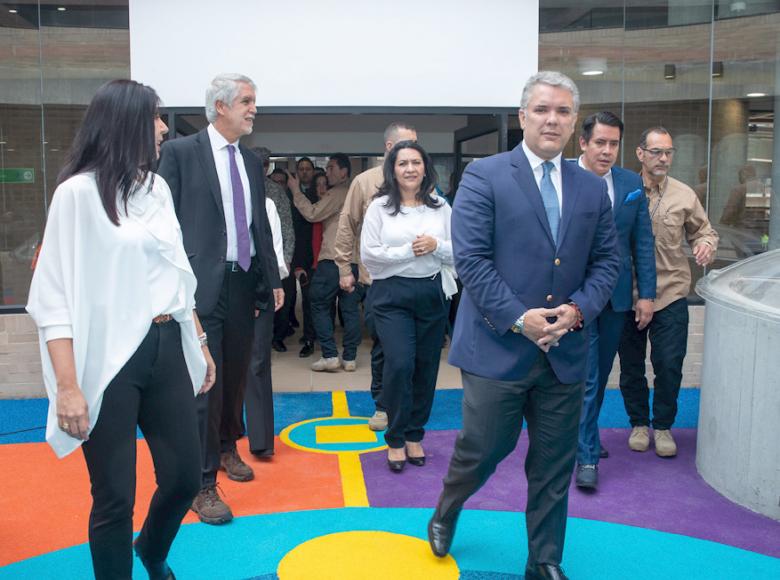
(550, 200)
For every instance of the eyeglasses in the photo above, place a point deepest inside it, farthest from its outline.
(659, 152)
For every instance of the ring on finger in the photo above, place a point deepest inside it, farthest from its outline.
(65, 425)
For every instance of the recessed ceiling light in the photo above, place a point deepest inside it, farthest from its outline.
(61, 8)
(756, 95)
(13, 11)
(592, 73)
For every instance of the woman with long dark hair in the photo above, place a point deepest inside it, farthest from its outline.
(406, 247)
(113, 296)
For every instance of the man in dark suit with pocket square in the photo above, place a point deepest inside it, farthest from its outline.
(218, 192)
(535, 246)
(600, 144)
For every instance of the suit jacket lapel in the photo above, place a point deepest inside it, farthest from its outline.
(620, 191)
(206, 157)
(524, 176)
(570, 194)
(254, 191)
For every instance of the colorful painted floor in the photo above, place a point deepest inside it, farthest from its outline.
(326, 506)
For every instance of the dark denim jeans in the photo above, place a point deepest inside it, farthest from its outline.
(324, 290)
(668, 333)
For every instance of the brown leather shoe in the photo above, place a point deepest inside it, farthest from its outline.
(235, 467)
(210, 507)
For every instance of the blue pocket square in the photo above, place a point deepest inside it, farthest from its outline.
(633, 195)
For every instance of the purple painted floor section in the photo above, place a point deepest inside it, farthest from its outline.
(638, 489)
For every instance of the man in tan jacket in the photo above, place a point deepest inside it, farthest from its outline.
(676, 216)
(361, 192)
(325, 280)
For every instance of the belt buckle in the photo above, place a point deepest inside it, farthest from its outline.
(234, 266)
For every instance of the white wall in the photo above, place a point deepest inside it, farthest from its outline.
(410, 53)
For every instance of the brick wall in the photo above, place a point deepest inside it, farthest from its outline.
(20, 365)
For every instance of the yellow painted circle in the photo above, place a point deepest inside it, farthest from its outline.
(361, 555)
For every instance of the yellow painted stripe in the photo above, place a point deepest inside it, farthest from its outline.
(340, 406)
(353, 485)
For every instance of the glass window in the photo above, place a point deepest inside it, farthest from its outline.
(53, 58)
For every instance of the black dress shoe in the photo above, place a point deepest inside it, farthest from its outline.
(307, 350)
(545, 572)
(603, 453)
(440, 534)
(262, 453)
(156, 570)
(278, 346)
(396, 466)
(587, 476)
(416, 461)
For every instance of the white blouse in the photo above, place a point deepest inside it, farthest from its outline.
(386, 242)
(101, 285)
(276, 234)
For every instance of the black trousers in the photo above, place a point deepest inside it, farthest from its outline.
(410, 315)
(493, 413)
(324, 290)
(259, 391)
(668, 333)
(154, 391)
(377, 353)
(282, 316)
(230, 328)
(308, 322)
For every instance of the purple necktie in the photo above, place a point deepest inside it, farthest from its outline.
(239, 213)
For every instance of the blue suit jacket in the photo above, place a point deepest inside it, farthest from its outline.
(635, 240)
(508, 263)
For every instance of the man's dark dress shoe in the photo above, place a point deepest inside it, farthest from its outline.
(263, 453)
(545, 572)
(603, 453)
(440, 534)
(587, 476)
(156, 570)
(307, 350)
(278, 346)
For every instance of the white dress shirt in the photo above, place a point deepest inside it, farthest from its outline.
(276, 232)
(555, 175)
(219, 147)
(386, 241)
(101, 285)
(607, 177)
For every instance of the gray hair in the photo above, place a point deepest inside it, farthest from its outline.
(224, 88)
(392, 130)
(553, 79)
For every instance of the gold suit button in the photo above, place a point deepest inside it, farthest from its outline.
(557, 261)
(549, 298)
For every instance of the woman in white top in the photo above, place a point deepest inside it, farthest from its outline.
(113, 296)
(406, 247)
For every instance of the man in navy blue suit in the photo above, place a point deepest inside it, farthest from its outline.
(535, 246)
(600, 144)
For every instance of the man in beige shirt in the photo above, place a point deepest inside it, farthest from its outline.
(361, 192)
(676, 214)
(325, 280)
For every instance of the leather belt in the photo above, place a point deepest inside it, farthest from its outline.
(162, 318)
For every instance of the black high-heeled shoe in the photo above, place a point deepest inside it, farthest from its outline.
(156, 570)
(418, 461)
(396, 465)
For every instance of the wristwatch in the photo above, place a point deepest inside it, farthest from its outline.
(519, 324)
